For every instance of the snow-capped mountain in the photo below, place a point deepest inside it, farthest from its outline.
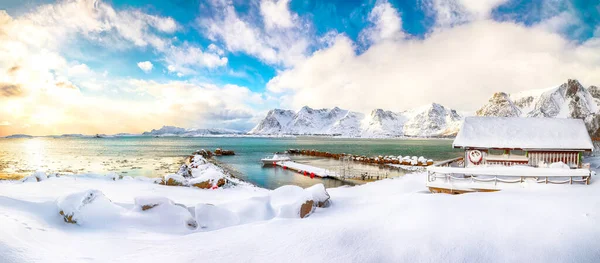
(567, 100)
(429, 120)
(181, 132)
(432, 120)
(500, 105)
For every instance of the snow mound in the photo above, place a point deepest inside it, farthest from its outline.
(148, 202)
(559, 165)
(211, 217)
(113, 176)
(163, 214)
(89, 207)
(253, 209)
(35, 177)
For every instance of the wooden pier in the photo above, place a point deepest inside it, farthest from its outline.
(308, 170)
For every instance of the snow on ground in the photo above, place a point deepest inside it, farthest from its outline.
(393, 220)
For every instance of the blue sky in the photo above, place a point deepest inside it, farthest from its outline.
(286, 53)
(345, 17)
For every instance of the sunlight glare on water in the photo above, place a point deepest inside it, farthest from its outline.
(155, 157)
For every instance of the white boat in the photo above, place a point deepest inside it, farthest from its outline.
(275, 158)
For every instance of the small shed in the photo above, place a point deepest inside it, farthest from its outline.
(536, 142)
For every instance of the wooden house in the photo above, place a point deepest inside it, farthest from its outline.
(511, 150)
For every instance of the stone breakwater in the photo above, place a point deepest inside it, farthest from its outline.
(379, 160)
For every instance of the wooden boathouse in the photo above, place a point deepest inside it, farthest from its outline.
(511, 150)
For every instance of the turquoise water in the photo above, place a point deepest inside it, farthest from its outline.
(154, 157)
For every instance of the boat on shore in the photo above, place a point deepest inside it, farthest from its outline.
(277, 157)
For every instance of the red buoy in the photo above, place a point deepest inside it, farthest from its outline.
(312, 175)
(305, 173)
(285, 167)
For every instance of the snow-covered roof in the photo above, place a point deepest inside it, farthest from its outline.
(523, 133)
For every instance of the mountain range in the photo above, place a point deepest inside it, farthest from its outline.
(426, 121)
(182, 132)
(567, 100)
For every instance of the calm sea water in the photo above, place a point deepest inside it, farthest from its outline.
(154, 157)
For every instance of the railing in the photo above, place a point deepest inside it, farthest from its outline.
(447, 163)
(449, 178)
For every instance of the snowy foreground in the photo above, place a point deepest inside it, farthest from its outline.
(393, 220)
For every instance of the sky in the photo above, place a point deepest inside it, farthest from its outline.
(114, 66)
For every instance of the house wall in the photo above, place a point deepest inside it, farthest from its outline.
(535, 158)
(538, 157)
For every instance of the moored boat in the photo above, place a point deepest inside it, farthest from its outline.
(278, 157)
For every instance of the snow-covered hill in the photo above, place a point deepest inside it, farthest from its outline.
(429, 120)
(181, 132)
(567, 100)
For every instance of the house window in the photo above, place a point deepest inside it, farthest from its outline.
(518, 153)
(495, 152)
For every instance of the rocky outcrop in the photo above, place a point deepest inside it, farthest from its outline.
(220, 152)
(208, 184)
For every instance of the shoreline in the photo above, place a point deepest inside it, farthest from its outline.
(231, 171)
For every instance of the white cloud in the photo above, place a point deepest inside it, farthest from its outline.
(387, 24)
(456, 12)
(145, 66)
(481, 8)
(276, 13)
(96, 20)
(214, 49)
(4, 123)
(459, 66)
(184, 58)
(41, 92)
(78, 70)
(275, 43)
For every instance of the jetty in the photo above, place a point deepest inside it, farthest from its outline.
(308, 170)
(399, 161)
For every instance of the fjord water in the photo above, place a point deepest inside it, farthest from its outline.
(155, 157)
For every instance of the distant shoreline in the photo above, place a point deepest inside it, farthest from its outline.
(226, 136)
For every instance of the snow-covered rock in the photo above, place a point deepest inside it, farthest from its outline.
(162, 212)
(89, 207)
(175, 180)
(36, 177)
(290, 201)
(319, 195)
(148, 202)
